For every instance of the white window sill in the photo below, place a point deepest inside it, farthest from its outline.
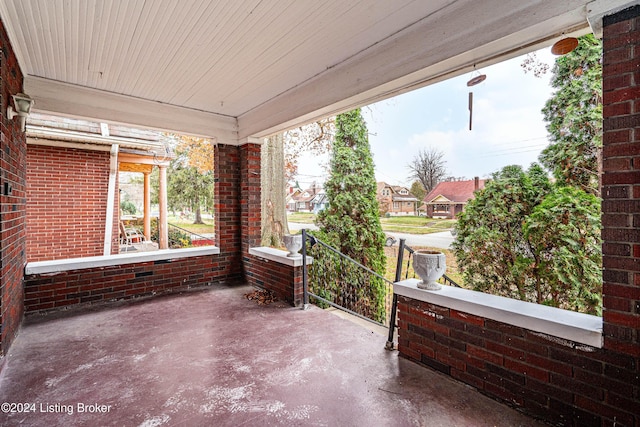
(278, 255)
(60, 265)
(568, 325)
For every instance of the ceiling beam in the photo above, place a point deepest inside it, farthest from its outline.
(65, 99)
(448, 43)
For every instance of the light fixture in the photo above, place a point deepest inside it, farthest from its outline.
(23, 104)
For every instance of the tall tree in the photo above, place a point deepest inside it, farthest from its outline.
(351, 223)
(279, 165)
(273, 185)
(428, 167)
(190, 178)
(574, 117)
(417, 189)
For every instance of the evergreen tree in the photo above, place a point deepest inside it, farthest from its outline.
(418, 190)
(574, 117)
(351, 223)
(523, 237)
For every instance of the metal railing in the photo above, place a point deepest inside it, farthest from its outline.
(347, 284)
(182, 238)
(399, 266)
(340, 281)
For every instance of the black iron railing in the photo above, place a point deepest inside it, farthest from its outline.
(399, 270)
(182, 238)
(337, 280)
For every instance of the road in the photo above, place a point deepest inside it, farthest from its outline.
(440, 240)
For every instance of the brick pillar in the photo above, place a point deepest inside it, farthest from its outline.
(250, 208)
(621, 181)
(13, 153)
(227, 209)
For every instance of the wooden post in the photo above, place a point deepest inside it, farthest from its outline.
(147, 206)
(163, 232)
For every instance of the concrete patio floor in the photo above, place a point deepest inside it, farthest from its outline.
(214, 358)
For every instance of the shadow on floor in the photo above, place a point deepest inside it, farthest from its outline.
(215, 358)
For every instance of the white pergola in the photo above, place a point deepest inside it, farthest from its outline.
(234, 70)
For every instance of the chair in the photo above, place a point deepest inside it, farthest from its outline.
(130, 235)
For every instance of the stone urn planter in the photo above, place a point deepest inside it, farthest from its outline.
(293, 243)
(430, 266)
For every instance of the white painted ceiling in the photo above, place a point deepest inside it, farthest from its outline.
(234, 69)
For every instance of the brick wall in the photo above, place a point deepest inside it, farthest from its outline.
(227, 208)
(621, 181)
(563, 382)
(66, 202)
(99, 285)
(12, 199)
(283, 280)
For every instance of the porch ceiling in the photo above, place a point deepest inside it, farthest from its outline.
(233, 69)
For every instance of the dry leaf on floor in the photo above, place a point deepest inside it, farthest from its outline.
(261, 296)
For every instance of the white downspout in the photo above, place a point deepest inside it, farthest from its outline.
(111, 193)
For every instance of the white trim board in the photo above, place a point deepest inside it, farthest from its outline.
(58, 266)
(554, 322)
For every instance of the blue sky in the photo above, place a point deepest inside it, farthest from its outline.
(508, 126)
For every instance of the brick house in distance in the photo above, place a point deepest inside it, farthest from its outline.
(449, 198)
(396, 200)
(304, 200)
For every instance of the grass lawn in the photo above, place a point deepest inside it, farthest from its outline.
(399, 224)
(303, 217)
(188, 224)
(418, 221)
(416, 224)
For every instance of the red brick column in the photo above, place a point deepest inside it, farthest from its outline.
(621, 181)
(13, 153)
(227, 210)
(250, 196)
(237, 205)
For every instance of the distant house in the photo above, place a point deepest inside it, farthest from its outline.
(319, 202)
(312, 199)
(396, 200)
(449, 198)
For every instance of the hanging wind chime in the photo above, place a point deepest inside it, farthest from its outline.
(472, 82)
(564, 45)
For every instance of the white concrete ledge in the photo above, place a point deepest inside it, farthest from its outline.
(565, 324)
(278, 255)
(57, 266)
